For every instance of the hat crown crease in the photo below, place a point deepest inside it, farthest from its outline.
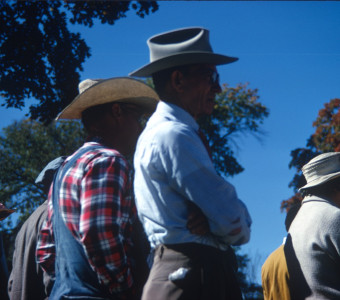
(171, 44)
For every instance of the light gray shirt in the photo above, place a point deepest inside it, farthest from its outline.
(315, 238)
(173, 168)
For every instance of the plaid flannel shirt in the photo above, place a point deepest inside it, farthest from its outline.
(97, 206)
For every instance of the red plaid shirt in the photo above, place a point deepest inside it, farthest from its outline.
(97, 206)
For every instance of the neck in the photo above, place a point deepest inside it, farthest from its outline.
(180, 104)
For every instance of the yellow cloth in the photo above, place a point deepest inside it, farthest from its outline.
(275, 277)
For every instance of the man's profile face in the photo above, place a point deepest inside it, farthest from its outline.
(201, 87)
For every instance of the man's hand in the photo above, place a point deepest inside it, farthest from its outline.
(197, 221)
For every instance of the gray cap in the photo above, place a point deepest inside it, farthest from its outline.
(47, 174)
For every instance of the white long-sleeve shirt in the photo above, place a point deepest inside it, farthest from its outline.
(173, 168)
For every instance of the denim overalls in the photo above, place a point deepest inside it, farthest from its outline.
(75, 279)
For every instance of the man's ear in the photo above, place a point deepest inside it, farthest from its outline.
(177, 80)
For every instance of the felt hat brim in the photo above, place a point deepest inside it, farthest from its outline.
(119, 89)
(180, 59)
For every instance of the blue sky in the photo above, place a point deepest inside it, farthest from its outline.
(288, 50)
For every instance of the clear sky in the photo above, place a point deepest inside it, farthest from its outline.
(288, 50)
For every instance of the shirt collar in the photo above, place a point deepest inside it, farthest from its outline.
(176, 113)
(310, 198)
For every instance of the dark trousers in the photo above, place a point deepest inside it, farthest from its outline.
(208, 274)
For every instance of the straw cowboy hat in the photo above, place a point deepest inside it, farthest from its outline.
(100, 91)
(321, 169)
(181, 47)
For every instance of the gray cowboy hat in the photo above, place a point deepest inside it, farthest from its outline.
(321, 169)
(94, 92)
(181, 47)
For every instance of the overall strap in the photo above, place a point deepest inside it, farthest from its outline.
(74, 275)
(62, 171)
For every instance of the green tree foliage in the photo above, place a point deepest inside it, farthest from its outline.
(326, 138)
(237, 113)
(40, 58)
(25, 149)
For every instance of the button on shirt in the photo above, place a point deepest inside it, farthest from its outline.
(172, 169)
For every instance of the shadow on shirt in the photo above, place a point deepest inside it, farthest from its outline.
(298, 285)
